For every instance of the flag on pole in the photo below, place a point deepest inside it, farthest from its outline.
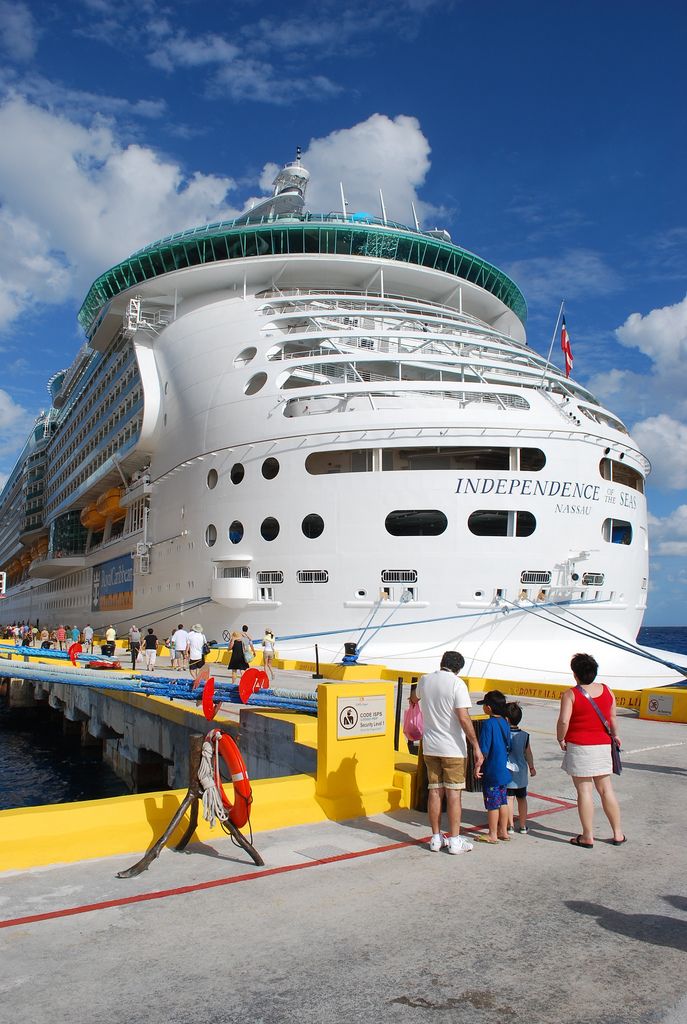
(567, 351)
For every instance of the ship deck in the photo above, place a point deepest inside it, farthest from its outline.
(355, 920)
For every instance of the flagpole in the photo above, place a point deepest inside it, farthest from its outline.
(553, 338)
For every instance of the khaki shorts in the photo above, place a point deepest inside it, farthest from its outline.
(445, 772)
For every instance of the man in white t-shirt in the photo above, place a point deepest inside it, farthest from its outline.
(179, 646)
(447, 730)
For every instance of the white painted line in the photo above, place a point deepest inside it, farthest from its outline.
(661, 746)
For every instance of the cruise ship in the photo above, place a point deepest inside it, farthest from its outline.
(330, 425)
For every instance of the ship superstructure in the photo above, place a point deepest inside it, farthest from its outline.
(331, 425)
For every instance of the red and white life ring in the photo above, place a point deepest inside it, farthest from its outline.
(239, 811)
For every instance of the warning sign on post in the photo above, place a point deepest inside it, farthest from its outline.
(361, 716)
(661, 704)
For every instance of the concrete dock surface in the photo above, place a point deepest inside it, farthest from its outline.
(358, 921)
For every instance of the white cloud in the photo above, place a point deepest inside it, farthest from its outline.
(381, 152)
(15, 423)
(661, 335)
(236, 70)
(576, 272)
(18, 32)
(664, 441)
(74, 201)
(669, 535)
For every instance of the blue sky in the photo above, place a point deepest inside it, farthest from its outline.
(549, 138)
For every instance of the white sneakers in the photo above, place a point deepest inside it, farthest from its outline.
(457, 844)
(454, 844)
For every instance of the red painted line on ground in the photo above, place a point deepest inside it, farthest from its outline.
(161, 894)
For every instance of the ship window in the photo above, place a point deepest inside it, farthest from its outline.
(269, 528)
(212, 480)
(270, 468)
(236, 532)
(210, 535)
(245, 356)
(256, 382)
(455, 459)
(617, 531)
(501, 523)
(416, 523)
(532, 460)
(312, 526)
(619, 473)
(237, 473)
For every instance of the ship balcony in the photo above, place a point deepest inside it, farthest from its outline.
(51, 566)
(232, 584)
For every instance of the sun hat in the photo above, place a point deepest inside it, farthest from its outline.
(197, 628)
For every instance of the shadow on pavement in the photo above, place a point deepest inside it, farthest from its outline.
(655, 929)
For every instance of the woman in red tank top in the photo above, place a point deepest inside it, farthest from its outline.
(587, 745)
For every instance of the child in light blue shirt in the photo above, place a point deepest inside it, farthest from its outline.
(520, 761)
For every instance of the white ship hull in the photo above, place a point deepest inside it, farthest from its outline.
(355, 449)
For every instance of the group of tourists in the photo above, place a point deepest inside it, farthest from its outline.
(59, 638)
(502, 756)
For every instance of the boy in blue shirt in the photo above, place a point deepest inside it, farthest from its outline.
(494, 741)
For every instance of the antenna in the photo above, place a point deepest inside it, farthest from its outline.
(381, 200)
(417, 222)
(344, 204)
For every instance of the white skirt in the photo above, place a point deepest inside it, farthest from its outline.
(585, 761)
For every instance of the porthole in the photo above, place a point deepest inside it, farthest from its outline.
(237, 473)
(312, 526)
(256, 382)
(236, 532)
(244, 357)
(269, 529)
(617, 531)
(210, 535)
(361, 593)
(416, 523)
(212, 479)
(270, 468)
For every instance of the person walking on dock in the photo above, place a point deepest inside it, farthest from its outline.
(134, 644)
(88, 638)
(448, 728)
(179, 642)
(237, 658)
(110, 641)
(196, 649)
(150, 647)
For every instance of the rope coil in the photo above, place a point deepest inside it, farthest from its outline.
(213, 807)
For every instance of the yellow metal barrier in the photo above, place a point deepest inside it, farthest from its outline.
(664, 704)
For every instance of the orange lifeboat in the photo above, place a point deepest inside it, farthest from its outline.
(91, 519)
(108, 505)
(43, 545)
(25, 558)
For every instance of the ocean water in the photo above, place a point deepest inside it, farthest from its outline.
(38, 765)
(667, 638)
